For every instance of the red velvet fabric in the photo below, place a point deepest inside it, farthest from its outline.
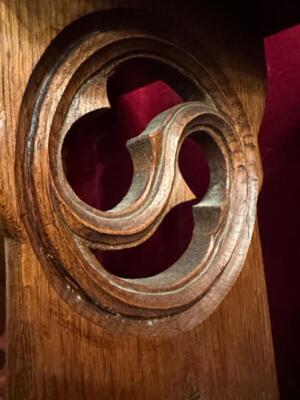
(278, 208)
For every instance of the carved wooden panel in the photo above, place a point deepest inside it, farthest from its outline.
(62, 228)
(75, 329)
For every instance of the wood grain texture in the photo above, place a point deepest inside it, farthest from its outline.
(55, 353)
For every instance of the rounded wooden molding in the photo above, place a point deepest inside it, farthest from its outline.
(71, 81)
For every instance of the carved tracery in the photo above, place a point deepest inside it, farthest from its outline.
(71, 81)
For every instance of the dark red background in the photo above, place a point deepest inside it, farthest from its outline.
(104, 174)
(278, 208)
(137, 94)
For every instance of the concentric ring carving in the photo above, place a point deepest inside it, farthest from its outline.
(71, 81)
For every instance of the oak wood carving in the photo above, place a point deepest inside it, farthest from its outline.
(66, 304)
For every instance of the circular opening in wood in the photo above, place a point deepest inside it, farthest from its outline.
(99, 168)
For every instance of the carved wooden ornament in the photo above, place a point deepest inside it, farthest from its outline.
(69, 82)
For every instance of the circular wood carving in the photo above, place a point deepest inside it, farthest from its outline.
(69, 82)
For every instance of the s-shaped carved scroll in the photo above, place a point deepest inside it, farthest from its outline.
(71, 81)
